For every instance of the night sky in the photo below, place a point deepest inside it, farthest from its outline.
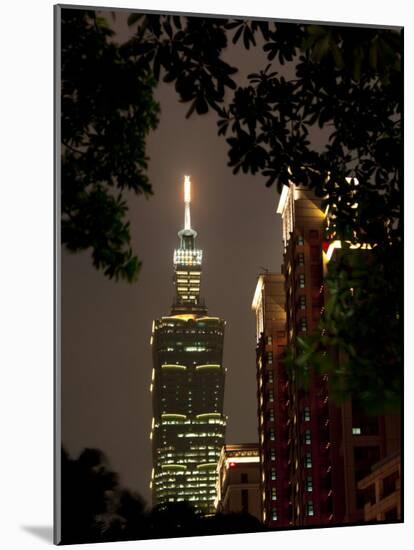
(106, 325)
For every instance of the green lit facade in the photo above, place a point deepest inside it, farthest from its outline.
(188, 426)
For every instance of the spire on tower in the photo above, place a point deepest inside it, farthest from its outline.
(187, 200)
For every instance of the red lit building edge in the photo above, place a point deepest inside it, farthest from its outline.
(313, 452)
(272, 392)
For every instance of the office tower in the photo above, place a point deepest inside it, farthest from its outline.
(273, 399)
(238, 480)
(188, 425)
(332, 447)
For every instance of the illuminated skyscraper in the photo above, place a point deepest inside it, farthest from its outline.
(188, 425)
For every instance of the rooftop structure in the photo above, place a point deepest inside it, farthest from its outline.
(238, 480)
(272, 390)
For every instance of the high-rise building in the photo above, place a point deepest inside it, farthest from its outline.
(273, 399)
(188, 425)
(331, 447)
(238, 481)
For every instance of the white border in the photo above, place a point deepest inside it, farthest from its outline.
(26, 274)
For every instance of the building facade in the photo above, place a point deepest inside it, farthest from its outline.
(238, 480)
(382, 490)
(188, 426)
(273, 399)
(310, 449)
(365, 440)
(331, 447)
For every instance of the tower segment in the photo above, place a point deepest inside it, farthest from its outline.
(188, 425)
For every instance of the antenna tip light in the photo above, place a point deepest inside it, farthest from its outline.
(187, 189)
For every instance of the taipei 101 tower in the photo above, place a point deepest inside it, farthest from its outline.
(188, 425)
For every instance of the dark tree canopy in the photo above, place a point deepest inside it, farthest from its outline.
(348, 82)
(107, 112)
(95, 508)
(345, 80)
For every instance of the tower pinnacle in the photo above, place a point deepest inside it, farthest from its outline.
(187, 264)
(187, 200)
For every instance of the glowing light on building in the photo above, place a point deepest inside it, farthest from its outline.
(334, 245)
(209, 415)
(187, 189)
(187, 200)
(242, 459)
(238, 464)
(173, 415)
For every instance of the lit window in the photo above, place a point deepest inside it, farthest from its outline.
(303, 325)
(300, 241)
(272, 455)
(269, 340)
(309, 508)
(271, 415)
(308, 460)
(356, 431)
(302, 302)
(274, 514)
(301, 280)
(301, 259)
(274, 497)
(309, 486)
(307, 437)
(272, 434)
(269, 357)
(273, 474)
(270, 377)
(306, 414)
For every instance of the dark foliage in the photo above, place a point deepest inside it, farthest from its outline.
(95, 508)
(347, 81)
(107, 112)
(358, 350)
(185, 51)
